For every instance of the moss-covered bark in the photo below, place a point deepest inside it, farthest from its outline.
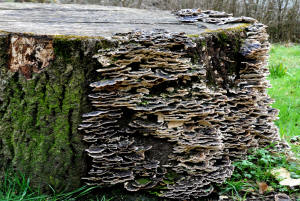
(39, 117)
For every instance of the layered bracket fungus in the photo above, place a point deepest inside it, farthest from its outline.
(164, 102)
(172, 111)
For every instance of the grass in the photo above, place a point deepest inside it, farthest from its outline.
(289, 55)
(16, 187)
(286, 91)
(256, 169)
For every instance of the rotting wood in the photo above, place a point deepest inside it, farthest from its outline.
(175, 97)
(207, 102)
(30, 54)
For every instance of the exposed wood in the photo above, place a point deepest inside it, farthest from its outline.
(87, 20)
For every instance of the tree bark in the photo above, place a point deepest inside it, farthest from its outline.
(39, 116)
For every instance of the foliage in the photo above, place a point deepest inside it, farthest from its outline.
(257, 168)
(286, 92)
(277, 70)
(15, 186)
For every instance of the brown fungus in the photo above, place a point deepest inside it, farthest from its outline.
(172, 114)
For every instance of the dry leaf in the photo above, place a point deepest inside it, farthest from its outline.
(263, 187)
(281, 173)
(222, 197)
(290, 182)
(284, 177)
(282, 197)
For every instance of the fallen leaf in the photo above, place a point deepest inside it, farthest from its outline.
(222, 197)
(284, 177)
(290, 182)
(263, 187)
(282, 197)
(281, 173)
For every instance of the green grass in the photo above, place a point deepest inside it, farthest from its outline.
(256, 168)
(16, 187)
(287, 55)
(286, 91)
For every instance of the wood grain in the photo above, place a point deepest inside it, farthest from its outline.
(91, 20)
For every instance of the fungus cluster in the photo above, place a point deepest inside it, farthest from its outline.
(172, 111)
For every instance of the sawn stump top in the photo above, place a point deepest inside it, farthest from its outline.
(92, 20)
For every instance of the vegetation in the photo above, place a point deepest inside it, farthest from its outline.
(277, 70)
(286, 90)
(254, 175)
(15, 186)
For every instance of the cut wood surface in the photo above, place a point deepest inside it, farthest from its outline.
(91, 20)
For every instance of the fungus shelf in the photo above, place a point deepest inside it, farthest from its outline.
(153, 100)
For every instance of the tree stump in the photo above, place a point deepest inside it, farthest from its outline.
(153, 100)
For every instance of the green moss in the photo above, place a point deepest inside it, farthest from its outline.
(75, 37)
(39, 117)
(143, 181)
(41, 123)
(156, 193)
(65, 47)
(172, 176)
(203, 43)
(168, 181)
(223, 36)
(238, 28)
(144, 102)
(105, 44)
(192, 35)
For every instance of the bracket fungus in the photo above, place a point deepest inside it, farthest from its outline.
(159, 102)
(173, 111)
